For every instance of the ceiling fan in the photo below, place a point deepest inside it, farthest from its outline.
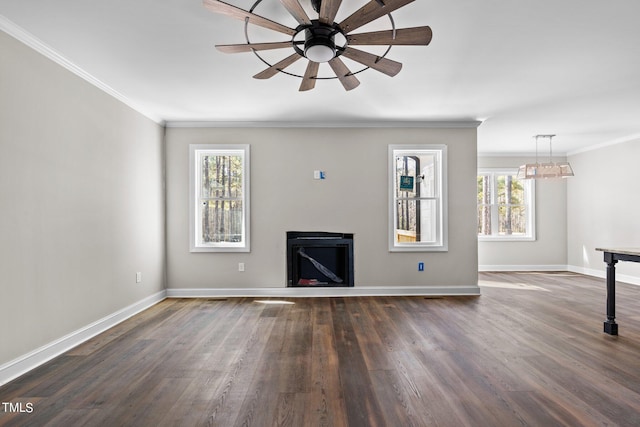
(324, 40)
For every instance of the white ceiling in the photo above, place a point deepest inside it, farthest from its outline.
(568, 67)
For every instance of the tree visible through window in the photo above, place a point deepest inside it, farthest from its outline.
(221, 196)
(505, 205)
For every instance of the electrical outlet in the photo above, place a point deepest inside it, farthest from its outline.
(421, 266)
(138, 277)
(241, 266)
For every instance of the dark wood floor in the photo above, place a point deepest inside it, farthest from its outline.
(529, 352)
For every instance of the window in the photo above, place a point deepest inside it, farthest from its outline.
(505, 206)
(219, 188)
(417, 198)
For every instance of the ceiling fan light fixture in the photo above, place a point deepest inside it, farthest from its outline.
(319, 53)
(319, 45)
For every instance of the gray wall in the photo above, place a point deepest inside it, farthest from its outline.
(604, 207)
(549, 250)
(352, 199)
(81, 202)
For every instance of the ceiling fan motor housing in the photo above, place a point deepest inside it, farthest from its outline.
(320, 43)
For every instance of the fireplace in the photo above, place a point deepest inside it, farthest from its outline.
(318, 258)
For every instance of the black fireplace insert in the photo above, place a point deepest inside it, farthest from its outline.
(319, 258)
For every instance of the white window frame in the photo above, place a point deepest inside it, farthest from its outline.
(441, 241)
(195, 214)
(530, 191)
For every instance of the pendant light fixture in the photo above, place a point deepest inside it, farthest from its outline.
(550, 169)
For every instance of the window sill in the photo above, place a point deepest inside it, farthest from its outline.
(418, 249)
(506, 239)
(219, 249)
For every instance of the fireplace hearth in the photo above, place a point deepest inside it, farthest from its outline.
(319, 259)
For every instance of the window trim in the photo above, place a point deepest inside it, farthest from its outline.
(441, 177)
(531, 204)
(194, 185)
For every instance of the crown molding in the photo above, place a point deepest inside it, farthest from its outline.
(556, 155)
(36, 44)
(456, 124)
(628, 138)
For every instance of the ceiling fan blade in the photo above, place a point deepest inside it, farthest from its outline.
(309, 80)
(328, 10)
(348, 80)
(296, 10)
(404, 36)
(371, 11)
(275, 68)
(241, 14)
(250, 47)
(384, 65)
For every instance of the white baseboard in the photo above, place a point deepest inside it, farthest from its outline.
(37, 357)
(522, 268)
(572, 268)
(625, 278)
(325, 292)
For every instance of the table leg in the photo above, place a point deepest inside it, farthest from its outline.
(610, 325)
